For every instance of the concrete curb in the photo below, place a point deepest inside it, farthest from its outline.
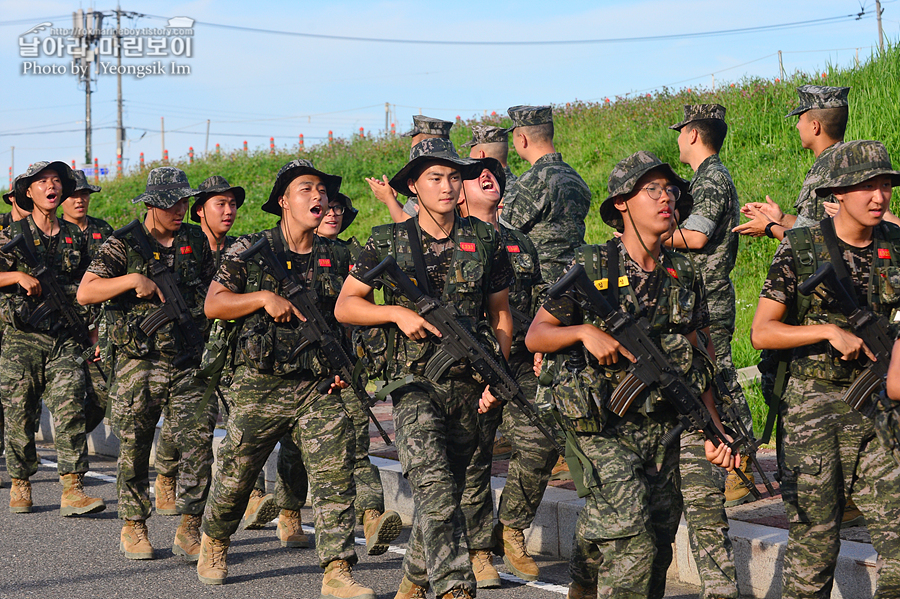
(758, 550)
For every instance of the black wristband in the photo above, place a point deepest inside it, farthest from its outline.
(769, 229)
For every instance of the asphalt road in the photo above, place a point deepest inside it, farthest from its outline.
(45, 556)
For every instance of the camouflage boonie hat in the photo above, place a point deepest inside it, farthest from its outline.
(289, 172)
(11, 192)
(820, 96)
(487, 134)
(166, 186)
(81, 182)
(429, 126)
(24, 181)
(626, 174)
(527, 116)
(857, 161)
(215, 185)
(349, 211)
(435, 149)
(697, 112)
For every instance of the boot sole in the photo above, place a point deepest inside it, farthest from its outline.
(517, 572)
(135, 555)
(296, 544)
(207, 580)
(490, 583)
(267, 512)
(179, 550)
(94, 508)
(740, 500)
(167, 512)
(364, 596)
(20, 510)
(858, 521)
(388, 529)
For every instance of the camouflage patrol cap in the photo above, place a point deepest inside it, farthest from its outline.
(166, 186)
(24, 181)
(435, 149)
(697, 112)
(626, 174)
(855, 162)
(429, 126)
(212, 186)
(289, 172)
(487, 134)
(349, 211)
(527, 116)
(81, 182)
(820, 96)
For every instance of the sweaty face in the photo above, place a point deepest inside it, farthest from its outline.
(218, 213)
(865, 202)
(483, 190)
(438, 188)
(304, 201)
(46, 190)
(331, 223)
(75, 207)
(170, 219)
(651, 216)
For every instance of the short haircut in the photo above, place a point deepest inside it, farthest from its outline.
(542, 133)
(833, 120)
(495, 149)
(712, 132)
(420, 137)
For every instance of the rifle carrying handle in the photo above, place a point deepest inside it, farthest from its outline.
(566, 282)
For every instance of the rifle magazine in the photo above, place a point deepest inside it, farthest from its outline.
(624, 394)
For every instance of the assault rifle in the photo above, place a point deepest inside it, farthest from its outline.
(55, 300)
(650, 368)
(456, 343)
(521, 321)
(174, 308)
(315, 330)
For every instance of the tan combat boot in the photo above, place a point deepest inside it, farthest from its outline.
(20, 496)
(164, 488)
(852, 516)
(211, 565)
(187, 537)
(134, 541)
(561, 470)
(74, 502)
(458, 594)
(338, 582)
(576, 591)
(736, 492)
(261, 509)
(410, 590)
(515, 556)
(486, 575)
(380, 529)
(290, 530)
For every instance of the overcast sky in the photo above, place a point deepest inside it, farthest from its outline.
(253, 85)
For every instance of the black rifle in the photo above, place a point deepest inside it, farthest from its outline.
(315, 330)
(174, 308)
(650, 368)
(55, 300)
(521, 322)
(456, 342)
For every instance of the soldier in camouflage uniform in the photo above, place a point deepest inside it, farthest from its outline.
(156, 374)
(215, 208)
(624, 534)
(491, 142)
(549, 201)
(459, 261)
(532, 457)
(831, 451)
(424, 127)
(274, 396)
(40, 359)
(707, 235)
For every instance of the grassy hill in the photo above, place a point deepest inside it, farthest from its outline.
(762, 151)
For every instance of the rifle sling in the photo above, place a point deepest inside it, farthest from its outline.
(418, 257)
(612, 267)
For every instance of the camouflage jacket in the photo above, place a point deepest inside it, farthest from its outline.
(526, 267)
(810, 207)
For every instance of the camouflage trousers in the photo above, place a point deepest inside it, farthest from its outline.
(832, 455)
(36, 366)
(268, 407)
(437, 428)
(530, 465)
(721, 335)
(145, 388)
(704, 512)
(624, 533)
(97, 400)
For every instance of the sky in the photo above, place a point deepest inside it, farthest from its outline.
(253, 85)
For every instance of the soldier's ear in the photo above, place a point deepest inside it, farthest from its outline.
(412, 186)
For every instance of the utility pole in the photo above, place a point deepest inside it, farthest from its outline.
(387, 117)
(120, 130)
(162, 129)
(87, 27)
(780, 66)
(206, 148)
(878, 12)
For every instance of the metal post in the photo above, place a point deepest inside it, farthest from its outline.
(780, 66)
(880, 30)
(387, 116)
(206, 147)
(162, 130)
(120, 129)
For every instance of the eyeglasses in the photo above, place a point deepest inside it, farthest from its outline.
(337, 209)
(655, 191)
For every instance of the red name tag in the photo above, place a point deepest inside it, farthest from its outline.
(97, 236)
(514, 249)
(68, 240)
(467, 247)
(673, 273)
(884, 253)
(187, 250)
(325, 262)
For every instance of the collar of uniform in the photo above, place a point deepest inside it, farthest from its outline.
(547, 158)
(707, 163)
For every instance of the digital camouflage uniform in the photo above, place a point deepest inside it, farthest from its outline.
(436, 421)
(5, 221)
(274, 398)
(831, 451)
(96, 233)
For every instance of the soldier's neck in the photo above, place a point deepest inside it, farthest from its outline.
(45, 221)
(161, 234)
(487, 214)
(438, 226)
(822, 143)
(81, 223)
(851, 231)
(299, 241)
(639, 251)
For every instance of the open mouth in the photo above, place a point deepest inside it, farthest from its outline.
(316, 210)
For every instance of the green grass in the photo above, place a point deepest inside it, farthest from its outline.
(762, 151)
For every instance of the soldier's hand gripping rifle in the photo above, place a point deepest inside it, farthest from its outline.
(174, 308)
(55, 300)
(315, 330)
(456, 342)
(651, 367)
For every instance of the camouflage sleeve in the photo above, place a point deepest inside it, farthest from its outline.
(700, 318)
(502, 275)
(411, 207)
(232, 272)
(781, 282)
(7, 261)
(111, 259)
(367, 260)
(710, 201)
(522, 209)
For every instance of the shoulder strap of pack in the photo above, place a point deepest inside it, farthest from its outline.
(418, 254)
(612, 249)
(805, 264)
(485, 235)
